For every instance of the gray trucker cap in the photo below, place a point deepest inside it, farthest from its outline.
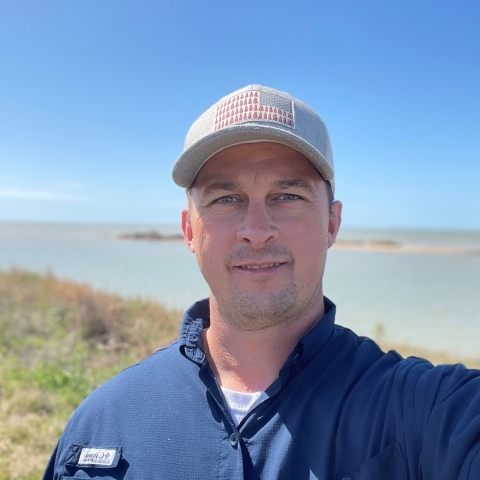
(255, 114)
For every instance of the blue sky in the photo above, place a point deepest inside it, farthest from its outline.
(96, 98)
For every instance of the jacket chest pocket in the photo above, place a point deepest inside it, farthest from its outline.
(389, 464)
(94, 463)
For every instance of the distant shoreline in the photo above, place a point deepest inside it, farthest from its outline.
(151, 236)
(385, 246)
(388, 246)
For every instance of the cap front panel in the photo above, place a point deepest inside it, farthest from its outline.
(254, 106)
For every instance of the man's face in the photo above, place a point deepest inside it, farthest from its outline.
(260, 227)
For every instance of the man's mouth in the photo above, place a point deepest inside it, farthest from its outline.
(260, 267)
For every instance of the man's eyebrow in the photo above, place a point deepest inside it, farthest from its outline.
(294, 183)
(220, 186)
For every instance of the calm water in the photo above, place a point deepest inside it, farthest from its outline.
(427, 300)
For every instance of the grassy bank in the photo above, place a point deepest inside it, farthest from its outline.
(58, 341)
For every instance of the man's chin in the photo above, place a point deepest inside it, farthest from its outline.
(249, 311)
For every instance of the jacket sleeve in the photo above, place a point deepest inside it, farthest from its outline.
(50, 470)
(446, 405)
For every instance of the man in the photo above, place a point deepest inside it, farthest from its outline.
(262, 384)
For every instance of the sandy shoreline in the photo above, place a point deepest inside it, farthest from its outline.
(394, 247)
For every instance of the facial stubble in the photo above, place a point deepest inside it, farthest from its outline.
(261, 309)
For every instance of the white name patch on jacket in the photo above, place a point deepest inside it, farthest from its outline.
(96, 456)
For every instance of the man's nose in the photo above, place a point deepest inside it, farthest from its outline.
(258, 226)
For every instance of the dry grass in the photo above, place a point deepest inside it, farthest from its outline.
(436, 357)
(58, 341)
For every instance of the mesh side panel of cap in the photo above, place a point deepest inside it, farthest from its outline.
(311, 127)
(201, 127)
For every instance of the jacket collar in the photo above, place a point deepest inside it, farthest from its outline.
(197, 318)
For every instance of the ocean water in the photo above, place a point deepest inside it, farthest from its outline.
(427, 300)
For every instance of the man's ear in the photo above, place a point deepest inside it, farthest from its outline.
(334, 222)
(187, 230)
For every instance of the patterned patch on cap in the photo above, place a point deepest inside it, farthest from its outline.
(254, 106)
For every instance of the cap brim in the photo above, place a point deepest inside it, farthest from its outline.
(192, 159)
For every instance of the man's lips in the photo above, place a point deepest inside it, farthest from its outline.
(269, 259)
(253, 266)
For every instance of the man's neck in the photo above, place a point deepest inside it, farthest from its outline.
(250, 361)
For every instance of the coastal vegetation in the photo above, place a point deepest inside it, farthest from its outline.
(58, 341)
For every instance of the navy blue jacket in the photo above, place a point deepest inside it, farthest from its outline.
(340, 409)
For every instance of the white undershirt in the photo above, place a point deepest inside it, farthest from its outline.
(240, 403)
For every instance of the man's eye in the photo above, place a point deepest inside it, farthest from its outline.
(289, 197)
(226, 199)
